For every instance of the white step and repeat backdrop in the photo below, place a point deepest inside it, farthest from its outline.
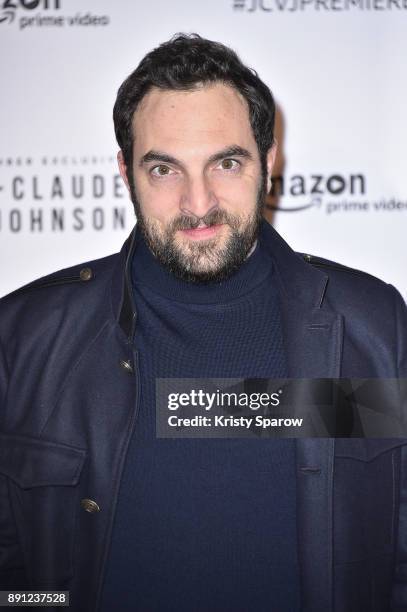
(337, 69)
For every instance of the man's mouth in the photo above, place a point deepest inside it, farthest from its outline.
(200, 233)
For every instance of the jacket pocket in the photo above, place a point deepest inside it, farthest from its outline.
(43, 486)
(366, 497)
(34, 462)
(366, 449)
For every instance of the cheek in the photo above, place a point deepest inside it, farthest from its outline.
(160, 208)
(236, 194)
(158, 201)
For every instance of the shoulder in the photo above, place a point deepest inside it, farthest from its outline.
(361, 294)
(333, 267)
(69, 293)
(79, 273)
(347, 278)
(355, 289)
(375, 312)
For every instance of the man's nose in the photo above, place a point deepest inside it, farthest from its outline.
(198, 198)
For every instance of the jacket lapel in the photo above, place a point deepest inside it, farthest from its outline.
(312, 329)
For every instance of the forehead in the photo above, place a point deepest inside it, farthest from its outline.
(207, 117)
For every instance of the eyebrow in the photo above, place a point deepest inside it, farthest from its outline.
(232, 151)
(158, 156)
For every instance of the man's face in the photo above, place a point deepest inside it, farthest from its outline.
(196, 181)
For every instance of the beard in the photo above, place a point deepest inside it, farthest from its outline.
(202, 261)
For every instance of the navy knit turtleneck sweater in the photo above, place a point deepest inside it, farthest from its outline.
(205, 525)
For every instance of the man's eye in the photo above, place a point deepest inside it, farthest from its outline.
(229, 164)
(161, 170)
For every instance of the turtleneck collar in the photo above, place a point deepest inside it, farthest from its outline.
(148, 271)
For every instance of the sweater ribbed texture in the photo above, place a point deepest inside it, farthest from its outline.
(205, 525)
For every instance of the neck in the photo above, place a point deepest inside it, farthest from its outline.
(149, 272)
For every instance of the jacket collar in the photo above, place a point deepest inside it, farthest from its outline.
(297, 279)
(123, 306)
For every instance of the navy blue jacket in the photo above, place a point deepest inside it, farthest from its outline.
(68, 384)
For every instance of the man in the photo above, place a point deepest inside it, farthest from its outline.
(92, 501)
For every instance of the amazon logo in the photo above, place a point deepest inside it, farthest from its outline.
(8, 8)
(308, 191)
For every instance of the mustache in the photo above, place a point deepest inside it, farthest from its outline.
(212, 217)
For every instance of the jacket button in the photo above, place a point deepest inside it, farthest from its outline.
(126, 365)
(85, 274)
(89, 505)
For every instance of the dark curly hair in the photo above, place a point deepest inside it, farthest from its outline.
(181, 63)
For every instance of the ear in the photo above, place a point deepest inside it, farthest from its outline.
(123, 169)
(271, 158)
